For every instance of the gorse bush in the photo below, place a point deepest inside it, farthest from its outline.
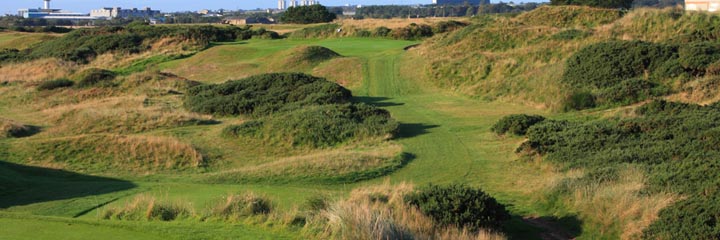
(264, 94)
(95, 77)
(606, 64)
(320, 125)
(516, 124)
(83, 44)
(459, 206)
(579, 101)
(625, 72)
(676, 143)
(55, 84)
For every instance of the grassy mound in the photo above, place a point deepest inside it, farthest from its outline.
(12, 129)
(304, 57)
(108, 154)
(319, 126)
(570, 16)
(264, 94)
(675, 143)
(344, 165)
(144, 207)
(95, 77)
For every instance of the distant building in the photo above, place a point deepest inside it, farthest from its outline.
(204, 12)
(460, 2)
(48, 13)
(282, 4)
(246, 21)
(702, 5)
(117, 12)
(293, 3)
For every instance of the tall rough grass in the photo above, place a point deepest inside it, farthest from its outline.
(346, 164)
(146, 207)
(380, 212)
(36, 71)
(618, 208)
(118, 115)
(109, 153)
(235, 207)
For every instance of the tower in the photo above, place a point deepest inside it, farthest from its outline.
(281, 4)
(47, 4)
(293, 3)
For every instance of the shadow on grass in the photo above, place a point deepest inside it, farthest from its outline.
(376, 101)
(23, 185)
(545, 227)
(409, 130)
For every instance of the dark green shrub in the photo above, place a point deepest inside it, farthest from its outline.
(55, 84)
(319, 125)
(606, 64)
(516, 124)
(697, 56)
(11, 55)
(460, 206)
(625, 4)
(628, 92)
(413, 32)
(95, 77)
(307, 15)
(264, 94)
(448, 26)
(381, 32)
(579, 101)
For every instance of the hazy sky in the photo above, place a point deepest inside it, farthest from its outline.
(11, 6)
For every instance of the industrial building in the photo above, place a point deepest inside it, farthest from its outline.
(105, 13)
(282, 4)
(48, 13)
(117, 12)
(460, 2)
(702, 5)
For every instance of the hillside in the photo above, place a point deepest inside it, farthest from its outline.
(523, 58)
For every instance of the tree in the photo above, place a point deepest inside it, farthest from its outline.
(626, 4)
(307, 15)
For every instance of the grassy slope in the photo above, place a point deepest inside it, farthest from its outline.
(20, 40)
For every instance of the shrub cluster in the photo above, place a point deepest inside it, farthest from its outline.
(235, 207)
(320, 125)
(55, 84)
(264, 94)
(83, 44)
(516, 124)
(676, 143)
(625, 72)
(292, 109)
(94, 77)
(625, 4)
(460, 206)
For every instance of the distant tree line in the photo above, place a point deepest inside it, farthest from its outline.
(393, 11)
(624, 4)
(307, 15)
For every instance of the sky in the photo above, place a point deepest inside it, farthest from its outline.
(11, 6)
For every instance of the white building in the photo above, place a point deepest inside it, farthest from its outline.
(282, 5)
(702, 5)
(117, 12)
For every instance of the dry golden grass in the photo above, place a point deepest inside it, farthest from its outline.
(700, 91)
(118, 115)
(38, 70)
(235, 207)
(114, 154)
(619, 204)
(319, 164)
(21, 40)
(344, 71)
(146, 207)
(379, 212)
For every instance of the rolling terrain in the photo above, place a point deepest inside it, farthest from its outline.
(128, 156)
